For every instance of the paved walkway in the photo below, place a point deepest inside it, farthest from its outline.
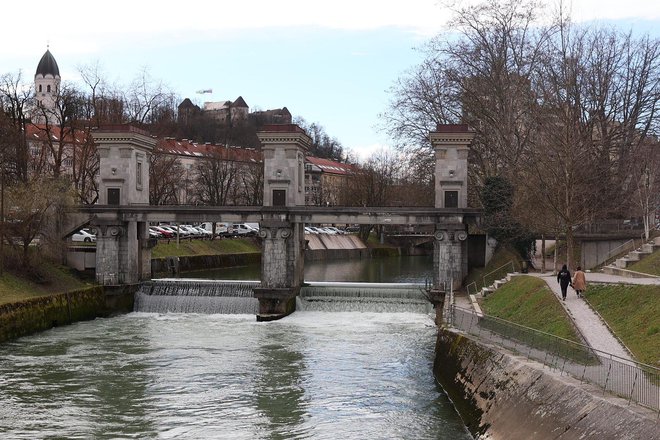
(593, 329)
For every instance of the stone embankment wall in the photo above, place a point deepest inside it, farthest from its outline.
(201, 262)
(501, 396)
(334, 247)
(42, 313)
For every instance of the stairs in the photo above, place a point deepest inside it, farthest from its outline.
(620, 265)
(485, 291)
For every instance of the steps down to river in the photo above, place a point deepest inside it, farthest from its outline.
(620, 265)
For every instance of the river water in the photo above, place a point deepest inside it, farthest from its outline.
(315, 375)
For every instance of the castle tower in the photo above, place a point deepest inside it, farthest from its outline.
(46, 84)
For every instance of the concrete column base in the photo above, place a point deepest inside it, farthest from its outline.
(275, 303)
(437, 298)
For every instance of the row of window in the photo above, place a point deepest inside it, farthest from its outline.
(47, 88)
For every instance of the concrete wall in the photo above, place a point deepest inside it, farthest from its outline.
(42, 313)
(502, 396)
(594, 253)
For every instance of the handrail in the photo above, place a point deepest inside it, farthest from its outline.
(467, 288)
(612, 252)
(496, 270)
(635, 381)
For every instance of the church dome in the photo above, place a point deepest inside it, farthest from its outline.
(48, 65)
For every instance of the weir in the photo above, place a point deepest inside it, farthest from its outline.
(237, 297)
(364, 297)
(197, 296)
(121, 219)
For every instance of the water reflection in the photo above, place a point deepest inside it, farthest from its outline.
(417, 269)
(280, 395)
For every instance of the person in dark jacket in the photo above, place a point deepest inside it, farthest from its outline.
(564, 280)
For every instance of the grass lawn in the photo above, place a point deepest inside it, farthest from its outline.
(528, 301)
(55, 280)
(205, 247)
(649, 264)
(633, 313)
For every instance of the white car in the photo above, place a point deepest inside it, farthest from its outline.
(84, 235)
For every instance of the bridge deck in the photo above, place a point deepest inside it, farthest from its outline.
(301, 214)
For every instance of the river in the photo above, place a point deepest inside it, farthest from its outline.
(312, 375)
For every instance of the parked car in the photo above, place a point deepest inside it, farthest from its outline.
(84, 235)
(203, 232)
(220, 228)
(164, 232)
(309, 230)
(242, 229)
(336, 230)
(154, 233)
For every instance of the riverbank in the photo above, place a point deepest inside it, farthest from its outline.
(495, 391)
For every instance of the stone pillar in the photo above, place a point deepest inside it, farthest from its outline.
(451, 144)
(282, 258)
(123, 249)
(449, 257)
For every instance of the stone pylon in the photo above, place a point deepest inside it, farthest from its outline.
(451, 145)
(282, 259)
(123, 248)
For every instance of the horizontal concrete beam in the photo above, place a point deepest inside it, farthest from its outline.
(302, 214)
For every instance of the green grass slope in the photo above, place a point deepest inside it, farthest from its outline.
(633, 313)
(528, 301)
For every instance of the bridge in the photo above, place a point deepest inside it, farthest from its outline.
(122, 217)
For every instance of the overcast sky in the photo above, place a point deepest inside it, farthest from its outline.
(330, 62)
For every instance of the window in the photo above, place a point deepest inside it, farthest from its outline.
(138, 177)
(451, 199)
(40, 88)
(48, 88)
(279, 197)
(113, 196)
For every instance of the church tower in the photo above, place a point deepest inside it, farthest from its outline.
(46, 84)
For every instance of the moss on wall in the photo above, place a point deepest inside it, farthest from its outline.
(42, 313)
(501, 396)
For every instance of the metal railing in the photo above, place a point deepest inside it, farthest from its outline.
(625, 247)
(498, 273)
(625, 378)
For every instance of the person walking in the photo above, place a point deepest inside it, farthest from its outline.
(579, 282)
(564, 280)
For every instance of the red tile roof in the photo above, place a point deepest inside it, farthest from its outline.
(330, 166)
(187, 148)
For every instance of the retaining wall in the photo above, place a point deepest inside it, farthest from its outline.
(502, 396)
(201, 262)
(42, 313)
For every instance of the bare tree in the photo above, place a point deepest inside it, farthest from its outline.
(145, 97)
(15, 101)
(216, 176)
(252, 183)
(164, 178)
(646, 178)
(33, 207)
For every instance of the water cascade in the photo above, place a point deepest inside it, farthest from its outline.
(364, 297)
(197, 296)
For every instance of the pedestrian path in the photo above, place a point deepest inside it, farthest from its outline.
(588, 322)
